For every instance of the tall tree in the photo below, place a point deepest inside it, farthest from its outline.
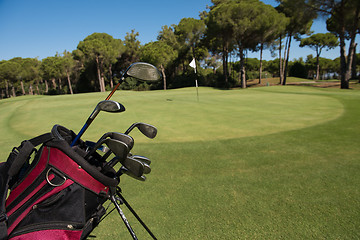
(117, 49)
(167, 34)
(51, 70)
(271, 24)
(344, 21)
(98, 47)
(219, 32)
(30, 73)
(9, 72)
(68, 64)
(3, 83)
(159, 54)
(27, 72)
(189, 32)
(244, 18)
(318, 42)
(131, 51)
(300, 22)
(20, 73)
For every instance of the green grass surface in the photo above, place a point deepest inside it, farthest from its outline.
(261, 163)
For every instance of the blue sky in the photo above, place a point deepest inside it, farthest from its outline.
(41, 28)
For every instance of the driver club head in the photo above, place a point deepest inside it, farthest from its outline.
(143, 71)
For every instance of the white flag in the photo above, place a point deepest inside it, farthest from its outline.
(193, 64)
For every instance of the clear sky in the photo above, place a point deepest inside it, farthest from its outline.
(41, 28)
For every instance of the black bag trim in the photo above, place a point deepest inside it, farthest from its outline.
(93, 171)
(62, 140)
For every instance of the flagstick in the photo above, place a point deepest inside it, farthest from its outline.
(196, 84)
(193, 65)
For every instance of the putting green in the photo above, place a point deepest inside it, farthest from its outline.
(236, 114)
(219, 114)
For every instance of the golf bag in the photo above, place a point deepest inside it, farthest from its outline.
(54, 192)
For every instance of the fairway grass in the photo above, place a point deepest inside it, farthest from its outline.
(262, 163)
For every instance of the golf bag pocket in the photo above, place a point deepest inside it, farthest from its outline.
(53, 197)
(44, 202)
(59, 216)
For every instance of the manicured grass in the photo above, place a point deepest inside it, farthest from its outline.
(261, 163)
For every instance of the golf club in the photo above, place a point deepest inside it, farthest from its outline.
(140, 70)
(147, 168)
(148, 130)
(107, 106)
(123, 170)
(134, 166)
(128, 140)
(142, 159)
(119, 148)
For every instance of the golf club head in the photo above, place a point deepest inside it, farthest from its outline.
(134, 166)
(142, 159)
(143, 71)
(148, 130)
(127, 172)
(147, 168)
(107, 106)
(128, 140)
(119, 148)
(111, 106)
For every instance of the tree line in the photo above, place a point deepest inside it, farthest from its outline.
(219, 41)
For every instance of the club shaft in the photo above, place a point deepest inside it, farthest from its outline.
(93, 114)
(79, 134)
(86, 125)
(114, 89)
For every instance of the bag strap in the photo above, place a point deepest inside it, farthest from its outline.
(17, 158)
(20, 155)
